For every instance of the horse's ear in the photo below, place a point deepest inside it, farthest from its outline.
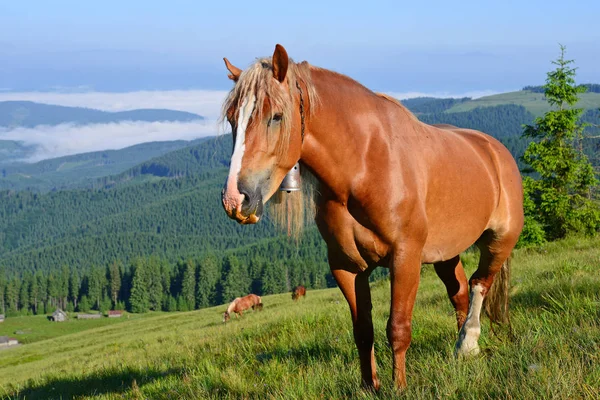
(280, 63)
(235, 72)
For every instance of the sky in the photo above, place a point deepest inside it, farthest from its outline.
(393, 46)
(126, 54)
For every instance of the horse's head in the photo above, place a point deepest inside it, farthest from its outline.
(226, 316)
(264, 111)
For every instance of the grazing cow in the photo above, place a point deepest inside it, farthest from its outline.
(241, 304)
(299, 291)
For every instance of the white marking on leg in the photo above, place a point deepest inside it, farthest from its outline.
(245, 112)
(470, 331)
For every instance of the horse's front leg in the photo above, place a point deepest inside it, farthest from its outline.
(356, 290)
(405, 269)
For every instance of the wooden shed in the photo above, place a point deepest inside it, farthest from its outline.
(115, 314)
(58, 316)
(6, 341)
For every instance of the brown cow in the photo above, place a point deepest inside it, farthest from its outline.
(241, 304)
(298, 291)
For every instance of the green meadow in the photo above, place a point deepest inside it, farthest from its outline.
(305, 350)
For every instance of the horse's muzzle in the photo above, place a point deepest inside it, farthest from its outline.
(245, 208)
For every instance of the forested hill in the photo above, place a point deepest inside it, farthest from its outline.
(188, 161)
(168, 209)
(81, 170)
(29, 114)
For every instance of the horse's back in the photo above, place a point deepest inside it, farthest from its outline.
(502, 167)
(473, 185)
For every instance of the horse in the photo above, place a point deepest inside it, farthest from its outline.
(298, 291)
(241, 304)
(389, 191)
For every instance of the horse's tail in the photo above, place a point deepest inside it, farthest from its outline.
(496, 300)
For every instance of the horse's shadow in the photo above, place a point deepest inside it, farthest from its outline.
(110, 381)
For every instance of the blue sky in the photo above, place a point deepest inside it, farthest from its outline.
(394, 46)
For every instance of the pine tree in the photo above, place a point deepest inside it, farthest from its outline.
(34, 292)
(12, 295)
(114, 273)
(557, 199)
(188, 287)
(52, 288)
(96, 284)
(2, 292)
(208, 277)
(235, 281)
(140, 298)
(24, 293)
(155, 284)
(74, 286)
(63, 287)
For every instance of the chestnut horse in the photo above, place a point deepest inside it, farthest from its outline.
(298, 291)
(392, 192)
(241, 304)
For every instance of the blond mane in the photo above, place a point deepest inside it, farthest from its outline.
(257, 80)
(287, 209)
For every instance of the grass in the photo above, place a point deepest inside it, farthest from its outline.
(533, 102)
(32, 329)
(305, 350)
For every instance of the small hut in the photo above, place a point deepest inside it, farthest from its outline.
(5, 341)
(89, 316)
(58, 316)
(1, 317)
(115, 313)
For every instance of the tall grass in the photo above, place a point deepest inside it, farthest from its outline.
(305, 349)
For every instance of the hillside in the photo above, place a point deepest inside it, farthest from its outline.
(81, 170)
(306, 349)
(534, 102)
(29, 114)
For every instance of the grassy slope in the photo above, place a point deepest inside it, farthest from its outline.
(306, 350)
(533, 102)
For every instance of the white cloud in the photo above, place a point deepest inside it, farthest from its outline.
(66, 139)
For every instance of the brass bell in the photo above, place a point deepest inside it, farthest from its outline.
(292, 181)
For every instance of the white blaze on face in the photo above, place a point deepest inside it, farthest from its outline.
(232, 193)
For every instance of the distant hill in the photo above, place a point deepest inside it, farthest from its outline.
(192, 160)
(12, 150)
(533, 101)
(29, 114)
(81, 170)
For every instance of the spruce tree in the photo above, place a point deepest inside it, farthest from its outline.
(235, 281)
(155, 284)
(140, 298)
(114, 274)
(208, 277)
(558, 194)
(188, 286)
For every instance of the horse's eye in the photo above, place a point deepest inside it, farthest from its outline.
(277, 117)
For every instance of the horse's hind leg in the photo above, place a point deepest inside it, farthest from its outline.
(494, 252)
(451, 272)
(357, 292)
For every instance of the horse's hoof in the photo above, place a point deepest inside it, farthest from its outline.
(466, 350)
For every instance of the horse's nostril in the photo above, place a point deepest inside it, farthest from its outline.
(246, 200)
